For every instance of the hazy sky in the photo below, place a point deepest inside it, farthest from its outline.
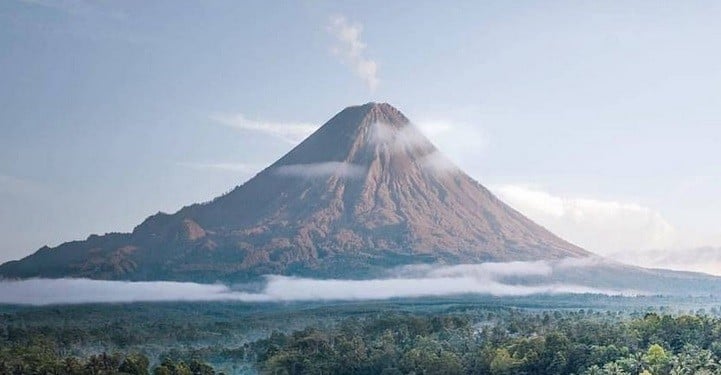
(600, 120)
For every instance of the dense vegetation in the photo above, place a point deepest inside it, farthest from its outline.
(522, 343)
(422, 337)
(41, 359)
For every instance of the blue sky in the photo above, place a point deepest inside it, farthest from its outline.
(600, 120)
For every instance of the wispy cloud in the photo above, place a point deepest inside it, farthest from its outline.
(332, 168)
(291, 132)
(230, 167)
(437, 162)
(490, 270)
(417, 137)
(603, 226)
(461, 142)
(351, 50)
(398, 139)
(410, 281)
(702, 259)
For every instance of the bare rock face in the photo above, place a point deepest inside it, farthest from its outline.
(192, 231)
(365, 192)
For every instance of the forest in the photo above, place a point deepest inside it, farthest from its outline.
(419, 337)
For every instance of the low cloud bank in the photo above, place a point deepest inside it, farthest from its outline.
(69, 291)
(408, 281)
(702, 259)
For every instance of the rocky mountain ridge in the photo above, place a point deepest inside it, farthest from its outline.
(365, 192)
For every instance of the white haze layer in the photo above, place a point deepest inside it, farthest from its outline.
(325, 169)
(437, 162)
(397, 139)
(408, 281)
(703, 259)
(408, 139)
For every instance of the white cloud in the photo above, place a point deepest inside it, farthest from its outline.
(437, 162)
(461, 142)
(490, 270)
(702, 259)
(297, 289)
(409, 281)
(350, 49)
(230, 167)
(602, 226)
(291, 132)
(398, 139)
(69, 291)
(331, 168)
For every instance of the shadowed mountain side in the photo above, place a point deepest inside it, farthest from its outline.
(365, 192)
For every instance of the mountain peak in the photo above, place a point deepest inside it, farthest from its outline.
(364, 192)
(382, 113)
(354, 117)
(350, 132)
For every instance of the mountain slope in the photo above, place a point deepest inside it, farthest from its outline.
(365, 192)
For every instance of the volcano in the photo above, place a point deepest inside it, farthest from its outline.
(365, 192)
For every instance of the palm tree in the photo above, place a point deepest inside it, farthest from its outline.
(594, 370)
(613, 368)
(704, 361)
